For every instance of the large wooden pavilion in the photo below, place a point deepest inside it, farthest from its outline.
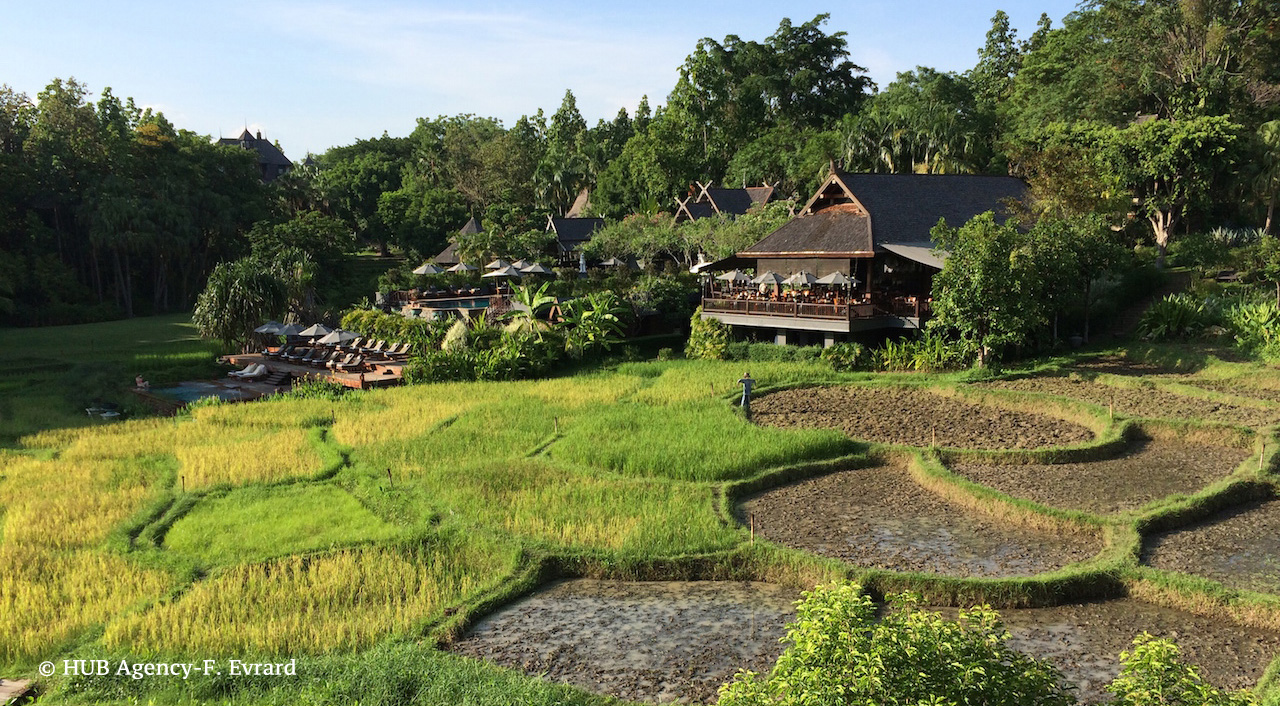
(872, 228)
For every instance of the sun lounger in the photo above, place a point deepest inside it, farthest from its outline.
(297, 354)
(333, 364)
(252, 371)
(352, 366)
(280, 352)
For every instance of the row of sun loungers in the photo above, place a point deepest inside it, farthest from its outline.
(355, 356)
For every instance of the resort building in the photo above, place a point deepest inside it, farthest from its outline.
(271, 160)
(706, 200)
(571, 234)
(449, 256)
(859, 256)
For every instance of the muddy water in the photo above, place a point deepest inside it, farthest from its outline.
(880, 518)
(1239, 548)
(1084, 642)
(660, 641)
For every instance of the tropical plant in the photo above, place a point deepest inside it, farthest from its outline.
(838, 652)
(239, 297)
(847, 356)
(1152, 674)
(1177, 316)
(532, 304)
(593, 323)
(708, 338)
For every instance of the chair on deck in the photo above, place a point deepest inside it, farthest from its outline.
(351, 366)
(254, 370)
(333, 364)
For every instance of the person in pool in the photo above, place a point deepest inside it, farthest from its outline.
(141, 384)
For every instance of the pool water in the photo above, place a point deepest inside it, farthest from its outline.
(472, 303)
(188, 392)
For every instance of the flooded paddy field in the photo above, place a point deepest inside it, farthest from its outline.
(880, 518)
(1146, 471)
(658, 641)
(914, 417)
(1084, 642)
(1142, 401)
(1239, 548)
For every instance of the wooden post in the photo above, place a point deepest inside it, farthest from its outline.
(753, 528)
(1262, 455)
(556, 420)
(184, 483)
(933, 436)
(1113, 405)
(390, 481)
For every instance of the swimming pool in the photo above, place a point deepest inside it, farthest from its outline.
(469, 303)
(188, 392)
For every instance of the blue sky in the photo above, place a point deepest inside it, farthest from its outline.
(317, 74)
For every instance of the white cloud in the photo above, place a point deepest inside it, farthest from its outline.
(493, 63)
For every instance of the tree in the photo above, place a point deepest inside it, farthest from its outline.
(1170, 166)
(238, 298)
(990, 290)
(419, 219)
(1076, 253)
(839, 652)
(1268, 178)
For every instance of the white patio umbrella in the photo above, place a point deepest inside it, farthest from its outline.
(535, 269)
(522, 264)
(734, 276)
(428, 268)
(837, 278)
(497, 264)
(269, 327)
(507, 271)
(315, 330)
(461, 267)
(339, 336)
(768, 278)
(800, 278)
(290, 329)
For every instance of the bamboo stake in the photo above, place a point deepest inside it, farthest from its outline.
(753, 528)
(390, 482)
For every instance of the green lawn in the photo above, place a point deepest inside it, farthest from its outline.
(50, 375)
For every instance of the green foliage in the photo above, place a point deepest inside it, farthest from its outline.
(708, 338)
(1256, 326)
(1176, 317)
(990, 291)
(238, 298)
(762, 352)
(420, 333)
(839, 653)
(847, 356)
(593, 323)
(929, 352)
(1152, 674)
(315, 390)
(672, 296)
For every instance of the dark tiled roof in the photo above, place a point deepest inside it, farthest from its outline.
(905, 207)
(448, 256)
(471, 228)
(271, 161)
(835, 229)
(575, 230)
(731, 201)
(760, 194)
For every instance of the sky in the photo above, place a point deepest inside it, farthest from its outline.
(317, 74)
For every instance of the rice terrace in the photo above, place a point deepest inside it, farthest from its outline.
(384, 532)
(746, 375)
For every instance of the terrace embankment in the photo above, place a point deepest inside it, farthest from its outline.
(914, 417)
(1084, 642)
(1148, 470)
(657, 641)
(880, 518)
(1239, 548)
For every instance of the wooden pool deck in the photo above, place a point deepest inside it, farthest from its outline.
(379, 374)
(11, 690)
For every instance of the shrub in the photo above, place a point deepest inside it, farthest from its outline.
(847, 356)
(771, 352)
(929, 352)
(1152, 675)
(1256, 326)
(708, 338)
(838, 653)
(1177, 316)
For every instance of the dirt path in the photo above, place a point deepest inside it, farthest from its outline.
(1142, 401)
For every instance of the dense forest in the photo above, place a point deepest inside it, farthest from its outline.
(1156, 114)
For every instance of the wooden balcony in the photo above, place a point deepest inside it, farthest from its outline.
(895, 312)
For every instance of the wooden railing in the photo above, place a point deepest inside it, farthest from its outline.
(839, 312)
